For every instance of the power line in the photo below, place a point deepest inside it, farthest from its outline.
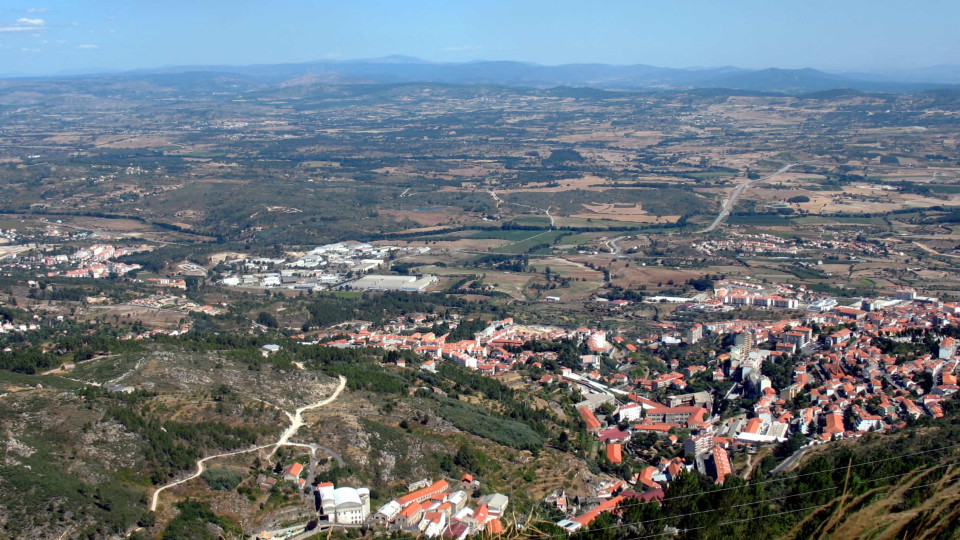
(780, 479)
(785, 512)
(783, 497)
(901, 456)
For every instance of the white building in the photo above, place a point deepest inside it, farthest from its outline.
(344, 505)
(630, 412)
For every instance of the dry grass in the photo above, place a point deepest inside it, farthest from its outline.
(887, 513)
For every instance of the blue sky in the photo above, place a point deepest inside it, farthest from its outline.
(42, 37)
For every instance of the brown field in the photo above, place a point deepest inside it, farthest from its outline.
(430, 218)
(155, 318)
(629, 213)
(217, 258)
(635, 275)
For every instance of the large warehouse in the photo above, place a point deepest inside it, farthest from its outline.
(377, 282)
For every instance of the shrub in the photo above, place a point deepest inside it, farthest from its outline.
(221, 479)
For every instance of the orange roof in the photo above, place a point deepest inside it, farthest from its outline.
(655, 427)
(591, 515)
(494, 526)
(425, 493)
(646, 478)
(615, 452)
(589, 418)
(411, 510)
(753, 426)
(834, 423)
(722, 462)
(481, 514)
(295, 469)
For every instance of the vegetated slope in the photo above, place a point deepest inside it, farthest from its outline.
(899, 485)
(921, 505)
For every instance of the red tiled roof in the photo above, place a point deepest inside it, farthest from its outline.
(615, 452)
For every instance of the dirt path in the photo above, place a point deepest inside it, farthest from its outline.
(500, 201)
(932, 251)
(296, 422)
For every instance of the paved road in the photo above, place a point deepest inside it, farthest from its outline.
(737, 191)
(296, 421)
(788, 463)
(617, 252)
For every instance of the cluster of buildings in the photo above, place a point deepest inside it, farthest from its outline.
(490, 351)
(434, 509)
(767, 244)
(325, 267)
(95, 261)
(9, 327)
(841, 383)
(173, 302)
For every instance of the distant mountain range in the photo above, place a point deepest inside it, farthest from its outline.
(402, 69)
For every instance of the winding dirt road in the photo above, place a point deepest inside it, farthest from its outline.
(296, 422)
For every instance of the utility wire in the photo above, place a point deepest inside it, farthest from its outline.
(901, 456)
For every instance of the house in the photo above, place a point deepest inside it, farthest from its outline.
(590, 419)
(496, 504)
(410, 516)
(867, 421)
(948, 348)
(293, 471)
(834, 425)
(433, 524)
(840, 336)
(615, 452)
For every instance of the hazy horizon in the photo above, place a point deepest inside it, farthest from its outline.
(63, 36)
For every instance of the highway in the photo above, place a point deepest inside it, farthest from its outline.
(737, 191)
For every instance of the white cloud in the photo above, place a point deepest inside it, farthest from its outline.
(38, 10)
(88, 46)
(25, 24)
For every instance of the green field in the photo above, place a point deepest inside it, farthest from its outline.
(514, 236)
(517, 248)
(759, 220)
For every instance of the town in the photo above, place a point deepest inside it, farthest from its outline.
(827, 376)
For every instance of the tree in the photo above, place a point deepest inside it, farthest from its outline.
(267, 319)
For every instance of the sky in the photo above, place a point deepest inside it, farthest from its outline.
(65, 36)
